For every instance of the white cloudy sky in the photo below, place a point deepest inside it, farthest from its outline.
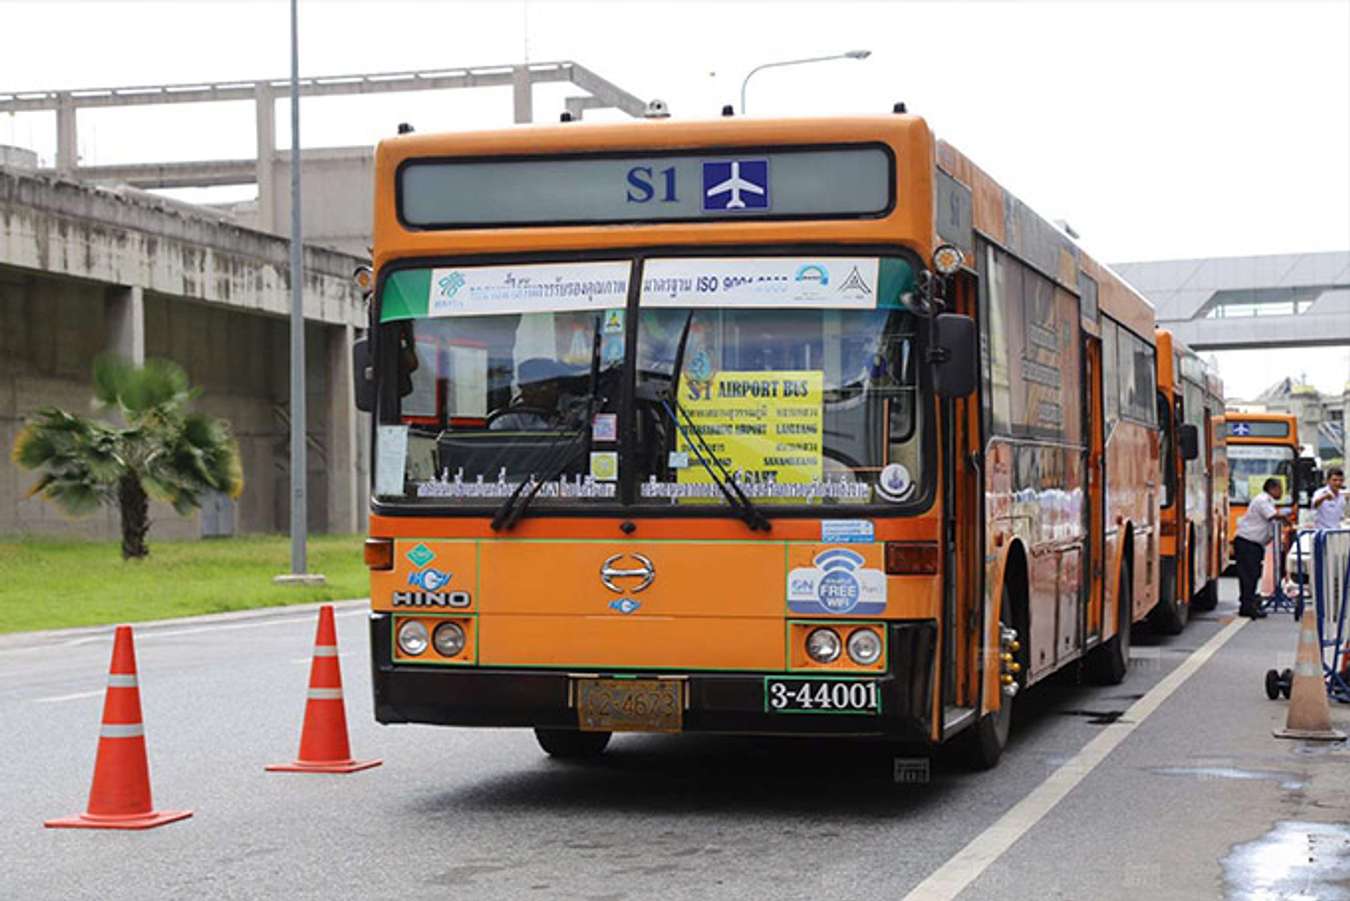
(1158, 129)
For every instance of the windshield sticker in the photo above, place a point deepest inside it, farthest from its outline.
(847, 531)
(605, 465)
(458, 487)
(605, 427)
(848, 283)
(837, 583)
(544, 287)
(760, 425)
(677, 460)
(391, 450)
(840, 489)
(895, 483)
(613, 322)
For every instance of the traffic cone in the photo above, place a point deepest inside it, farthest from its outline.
(323, 739)
(1309, 712)
(120, 796)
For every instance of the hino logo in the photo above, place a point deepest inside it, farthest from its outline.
(644, 571)
(431, 599)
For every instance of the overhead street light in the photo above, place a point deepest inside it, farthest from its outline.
(851, 54)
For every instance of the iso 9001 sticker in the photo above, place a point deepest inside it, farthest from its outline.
(820, 695)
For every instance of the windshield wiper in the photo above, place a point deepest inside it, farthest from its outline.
(726, 482)
(508, 514)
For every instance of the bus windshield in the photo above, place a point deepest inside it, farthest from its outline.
(796, 378)
(1249, 465)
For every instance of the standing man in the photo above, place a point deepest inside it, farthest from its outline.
(1329, 501)
(1249, 545)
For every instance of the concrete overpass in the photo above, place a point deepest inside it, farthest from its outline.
(1228, 303)
(86, 269)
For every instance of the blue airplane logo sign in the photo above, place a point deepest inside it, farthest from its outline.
(734, 185)
(1241, 429)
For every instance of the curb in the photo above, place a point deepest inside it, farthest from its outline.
(21, 640)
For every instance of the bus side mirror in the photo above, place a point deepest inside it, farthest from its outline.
(1188, 439)
(363, 375)
(954, 355)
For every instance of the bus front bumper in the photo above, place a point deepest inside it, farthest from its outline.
(718, 702)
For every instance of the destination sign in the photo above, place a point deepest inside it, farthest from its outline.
(831, 183)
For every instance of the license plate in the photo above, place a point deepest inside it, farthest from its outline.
(821, 695)
(630, 705)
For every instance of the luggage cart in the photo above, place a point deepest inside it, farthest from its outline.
(1326, 580)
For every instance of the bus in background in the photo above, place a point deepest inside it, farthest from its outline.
(772, 426)
(1260, 446)
(1190, 533)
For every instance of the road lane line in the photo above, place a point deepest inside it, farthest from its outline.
(952, 878)
(57, 699)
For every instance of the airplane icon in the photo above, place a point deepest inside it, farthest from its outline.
(752, 180)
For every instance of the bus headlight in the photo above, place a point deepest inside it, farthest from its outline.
(412, 638)
(864, 647)
(448, 639)
(823, 646)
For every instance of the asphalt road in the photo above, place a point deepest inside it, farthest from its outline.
(1190, 804)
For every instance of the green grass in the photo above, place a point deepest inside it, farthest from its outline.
(55, 584)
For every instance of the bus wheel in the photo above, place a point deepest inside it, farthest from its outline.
(1207, 598)
(983, 743)
(1108, 664)
(1171, 614)
(571, 744)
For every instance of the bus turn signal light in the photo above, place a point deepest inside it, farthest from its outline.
(911, 558)
(379, 553)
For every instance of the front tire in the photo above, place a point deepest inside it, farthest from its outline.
(1207, 598)
(983, 744)
(571, 744)
(1108, 664)
(1172, 613)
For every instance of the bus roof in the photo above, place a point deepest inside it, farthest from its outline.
(1007, 221)
(907, 138)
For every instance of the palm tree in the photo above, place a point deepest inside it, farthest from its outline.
(161, 449)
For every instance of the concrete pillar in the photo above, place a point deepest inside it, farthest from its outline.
(67, 144)
(521, 94)
(342, 434)
(265, 111)
(125, 312)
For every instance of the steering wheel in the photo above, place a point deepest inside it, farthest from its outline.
(544, 416)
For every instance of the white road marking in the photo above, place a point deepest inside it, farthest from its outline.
(965, 867)
(57, 699)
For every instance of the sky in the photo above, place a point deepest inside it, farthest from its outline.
(1158, 130)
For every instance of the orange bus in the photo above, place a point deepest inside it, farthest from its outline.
(1192, 529)
(772, 426)
(1260, 446)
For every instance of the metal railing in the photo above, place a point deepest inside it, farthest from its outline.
(1325, 576)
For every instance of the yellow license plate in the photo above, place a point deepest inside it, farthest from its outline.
(630, 705)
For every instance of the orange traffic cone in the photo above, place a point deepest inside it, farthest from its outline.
(120, 796)
(1309, 712)
(323, 740)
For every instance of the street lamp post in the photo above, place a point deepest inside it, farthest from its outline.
(851, 54)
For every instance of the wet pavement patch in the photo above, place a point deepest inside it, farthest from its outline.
(1095, 717)
(1287, 780)
(1295, 860)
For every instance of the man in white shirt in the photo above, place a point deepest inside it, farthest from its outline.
(1249, 545)
(1329, 501)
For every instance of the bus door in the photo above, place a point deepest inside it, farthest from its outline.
(1094, 506)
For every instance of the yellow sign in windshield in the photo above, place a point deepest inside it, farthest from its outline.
(761, 425)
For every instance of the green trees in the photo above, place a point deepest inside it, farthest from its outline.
(160, 450)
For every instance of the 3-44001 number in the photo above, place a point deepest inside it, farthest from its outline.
(821, 696)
